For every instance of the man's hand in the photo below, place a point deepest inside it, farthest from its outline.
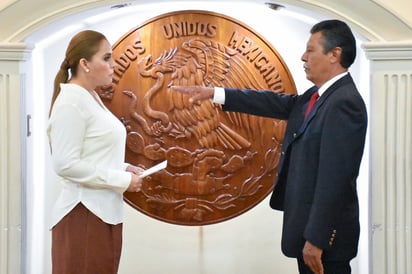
(312, 256)
(197, 93)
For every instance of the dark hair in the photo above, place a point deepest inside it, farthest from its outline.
(84, 44)
(336, 33)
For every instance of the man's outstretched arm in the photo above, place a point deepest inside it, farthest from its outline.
(197, 93)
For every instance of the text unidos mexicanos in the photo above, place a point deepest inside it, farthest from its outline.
(243, 44)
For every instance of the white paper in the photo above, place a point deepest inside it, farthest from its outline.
(154, 169)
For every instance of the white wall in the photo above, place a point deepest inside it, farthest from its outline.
(247, 244)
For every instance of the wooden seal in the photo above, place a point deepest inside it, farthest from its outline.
(220, 164)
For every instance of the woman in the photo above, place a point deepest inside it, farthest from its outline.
(88, 144)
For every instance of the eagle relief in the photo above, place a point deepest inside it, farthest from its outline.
(220, 164)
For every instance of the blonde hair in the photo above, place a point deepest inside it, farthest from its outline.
(84, 44)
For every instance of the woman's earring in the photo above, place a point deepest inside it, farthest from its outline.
(87, 70)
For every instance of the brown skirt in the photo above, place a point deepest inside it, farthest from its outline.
(83, 244)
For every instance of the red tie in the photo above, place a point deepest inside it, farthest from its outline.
(312, 102)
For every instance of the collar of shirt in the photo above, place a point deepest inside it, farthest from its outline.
(330, 82)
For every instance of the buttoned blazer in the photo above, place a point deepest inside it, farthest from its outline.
(318, 166)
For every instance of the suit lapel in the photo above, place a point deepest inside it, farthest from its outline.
(322, 100)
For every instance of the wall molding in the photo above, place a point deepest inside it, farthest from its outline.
(392, 51)
(391, 150)
(15, 51)
(12, 156)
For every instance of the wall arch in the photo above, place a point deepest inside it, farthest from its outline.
(375, 20)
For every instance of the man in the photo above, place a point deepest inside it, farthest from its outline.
(321, 151)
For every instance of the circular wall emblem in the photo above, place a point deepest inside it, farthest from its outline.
(220, 164)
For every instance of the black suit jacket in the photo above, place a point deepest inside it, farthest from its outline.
(318, 167)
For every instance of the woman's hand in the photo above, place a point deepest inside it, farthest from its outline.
(134, 169)
(136, 182)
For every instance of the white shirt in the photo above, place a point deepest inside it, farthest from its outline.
(330, 82)
(88, 151)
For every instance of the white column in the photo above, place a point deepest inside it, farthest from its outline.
(391, 156)
(12, 135)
